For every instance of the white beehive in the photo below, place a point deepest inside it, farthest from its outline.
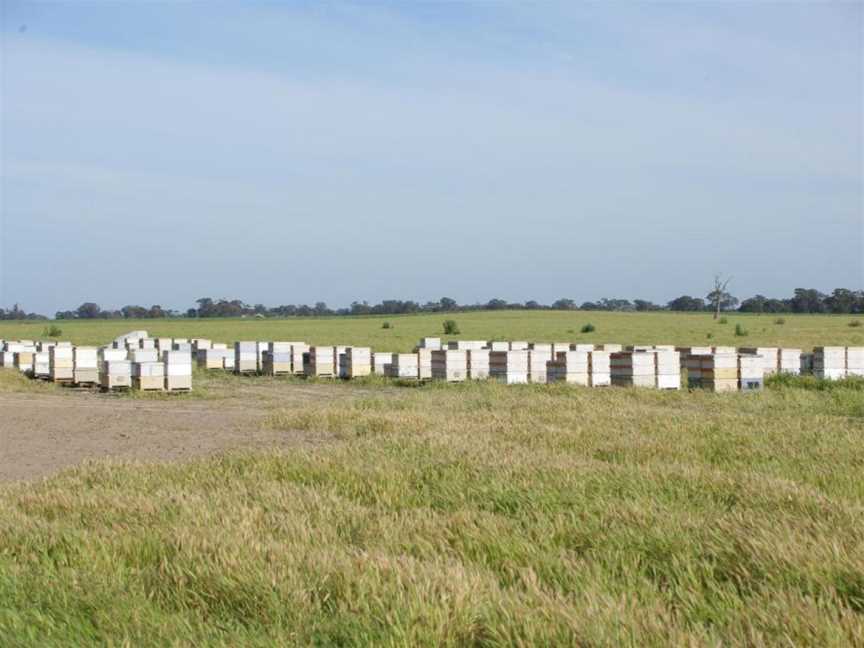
(464, 345)
(789, 361)
(829, 362)
(404, 365)
(560, 347)
(769, 355)
(245, 357)
(86, 365)
(450, 365)
(431, 343)
(571, 367)
(178, 370)
(148, 376)
(599, 368)
(201, 343)
(144, 355)
(751, 371)
(609, 348)
(319, 361)
(723, 350)
(855, 361)
(668, 368)
(582, 347)
(381, 362)
(633, 369)
(478, 363)
(277, 363)
(42, 364)
(61, 364)
(115, 374)
(23, 360)
(358, 362)
(718, 372)
(499, 346)
(338, 358)
(298, 351)
(509, 367)
(424, 363)
(537, 359)
(106, 353)
(146, 343)
(518, 345)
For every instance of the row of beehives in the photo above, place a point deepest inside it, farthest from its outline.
(108, 367)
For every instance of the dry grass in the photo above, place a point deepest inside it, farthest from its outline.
(476, 514)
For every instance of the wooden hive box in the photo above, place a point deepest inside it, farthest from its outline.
(61, 364)
(599, 368)
(381, 362)
(42, 365)
(855, 361)
(404, 365)
(429, 343)
(789, 361)
(829, 362)
(537, 363)
(499, 345)
(148, 376)
(478, 364)
(358, 362)
(769, 355)
(450, 365)
(509, 367)
(424, 363)
(320, 362)
(115, 374)
(245, 357)
(518, 345)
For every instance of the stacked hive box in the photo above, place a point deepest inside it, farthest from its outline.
(404, 365)
(245, 357)
(807, 363)
(148, 376)
(668, 368)
(215, 359)
(855, 361)
(319, 361)
(424, 363)
(277, 359)
(183, 347)
(751, 371)
(261, 348)
(509, 367)
(718, 372)
(464, 345)
(724, 349)
(582, 347)
(478, 364)
(42, 364)
(43, 346)
(430, 343)
(86, 366)
(146, 343)
(144, 355)
(633, 369)
(358, 362)
(450, 365)
(112, 354)
(560, 347)
(789, 361)
(23, 359)
(61, 364)
(519, 345)
(599, 368)
(499, 346)
(829, 362)
(380, 363)
(164, 344)
(200, 344)
(538, 357)
(609, 348)
(178, 370)
(338, 358)
(115, 374)
(570, 367)
(769, 355)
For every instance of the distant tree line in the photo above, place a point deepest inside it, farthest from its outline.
(15, 313)
(803, 300)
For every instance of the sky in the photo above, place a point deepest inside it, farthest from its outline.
(159, 152)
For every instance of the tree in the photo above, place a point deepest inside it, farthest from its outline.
(564, 304)
(686, 303)
(496, 304)
(447, 304)
(643, 305)
(719, 298)
(808, 300)
(88, 310)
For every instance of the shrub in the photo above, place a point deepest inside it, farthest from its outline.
(740, 331)
(451, 327)
(855, 323)
(724, 320)
(709, 335)
(588, 328)
(52, 331)
(386, 325)
(780, 321)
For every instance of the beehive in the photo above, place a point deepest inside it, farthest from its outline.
(61, 364)
(115, 374)
(499, 346)
(668, 368)
(381, 363)
(245, 357)
(219, 346)
(148, 376)
(178, 370)
(143, 355)
(723, 350)
(537, 359)
(7, 359)
(424, 363)
(719, 372)
(789, 361)
(319, 362)
(509, 367)
(829, 362)
(464, 345)
(807, 363)
(298, 351)
(633, 369)
(358, 362)
(338, 358)
(199, 344)
(610, 348)
(277, 362)
(560, 347)
(42, 346)
(404, 365)
(518, 345)
(214, 358)
(23, 360)
(769, 355)
(431, 343)
(450, 365)
(185, 347)
(751, 371)
(42, 364)
(599, 368)
(855, 361)
(478, 363)
(571, 367)
(164, 344)
(146, 343)
(86, 365)
(106, 353)
(581, 347)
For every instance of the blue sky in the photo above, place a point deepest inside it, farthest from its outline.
(158, 152)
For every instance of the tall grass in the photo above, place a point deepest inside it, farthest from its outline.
(475, 514)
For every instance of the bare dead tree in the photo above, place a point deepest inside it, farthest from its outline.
(716, 296)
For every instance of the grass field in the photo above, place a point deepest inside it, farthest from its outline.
(804, 331)
(474, 514)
